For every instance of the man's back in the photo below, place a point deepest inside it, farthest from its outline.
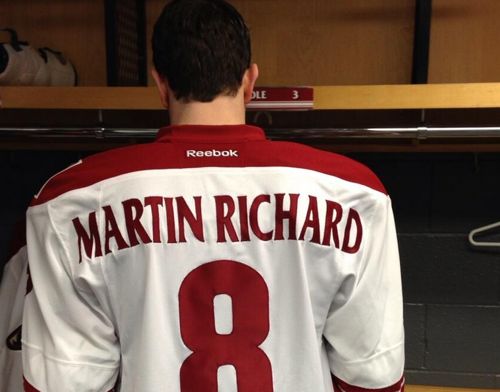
(214, 260)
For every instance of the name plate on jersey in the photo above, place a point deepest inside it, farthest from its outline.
(282, 98)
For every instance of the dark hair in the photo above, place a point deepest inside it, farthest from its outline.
(202, 47)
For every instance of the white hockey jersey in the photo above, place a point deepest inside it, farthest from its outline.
(213, 260)
(12, 293)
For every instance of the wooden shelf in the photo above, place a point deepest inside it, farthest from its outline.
(336, 109)
(430, 96)
(120, 98)
(423, 96)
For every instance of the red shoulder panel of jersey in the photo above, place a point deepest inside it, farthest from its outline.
(245, 147)
(341, 386)
(306, 157)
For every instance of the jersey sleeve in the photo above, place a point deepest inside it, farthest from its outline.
(364, 331)
(69, 343)
(12, 291)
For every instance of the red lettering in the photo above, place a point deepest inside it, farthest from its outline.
(243, 207)
(111, 230)
(91, 241)
(254, 217)
(154, 202)
(331, 223)
(282, 214)
(250, 310)
(169, 212)
(224, 210)
(312, 221)
(133, 210)
(195, 222)
(352, 217)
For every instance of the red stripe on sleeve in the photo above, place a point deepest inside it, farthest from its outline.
(28, 387)
(341, 386)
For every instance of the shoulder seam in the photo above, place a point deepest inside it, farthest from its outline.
(36, 196)
(61, 242)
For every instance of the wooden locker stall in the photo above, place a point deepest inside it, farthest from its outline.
(464, 41)
(76, 28)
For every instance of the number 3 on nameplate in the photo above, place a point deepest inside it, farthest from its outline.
(240, 348)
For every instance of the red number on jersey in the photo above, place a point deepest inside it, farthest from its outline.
(240, 348)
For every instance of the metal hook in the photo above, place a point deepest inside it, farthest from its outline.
(483, 229)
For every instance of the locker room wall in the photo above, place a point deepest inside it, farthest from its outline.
(341, 42)
(451, 292)
(23, 173)
(464, 41)
(325, 42)
(296, 42)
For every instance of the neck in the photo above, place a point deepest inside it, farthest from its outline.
(223, 110)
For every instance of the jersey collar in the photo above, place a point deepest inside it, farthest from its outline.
(210, 133)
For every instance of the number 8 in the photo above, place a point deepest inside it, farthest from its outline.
(240, 348)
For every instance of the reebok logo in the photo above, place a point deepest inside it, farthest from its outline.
(212, 153)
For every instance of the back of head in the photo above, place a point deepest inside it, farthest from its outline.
(202, 48)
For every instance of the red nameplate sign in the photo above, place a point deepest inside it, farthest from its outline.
(282, 98)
